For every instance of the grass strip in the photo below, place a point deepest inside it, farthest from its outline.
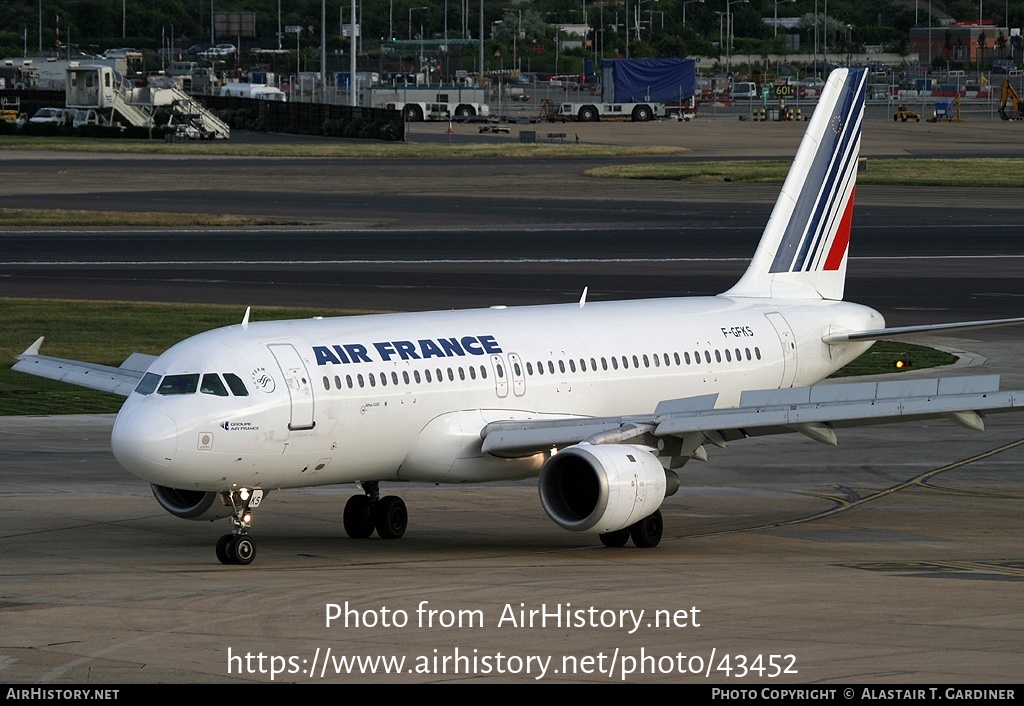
(987, 172)
(29, 218)
(324, 147)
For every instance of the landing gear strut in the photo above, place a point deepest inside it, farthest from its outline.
(369, 512)
(238, 547)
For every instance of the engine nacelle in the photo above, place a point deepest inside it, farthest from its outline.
(190, 504)
(604, 487)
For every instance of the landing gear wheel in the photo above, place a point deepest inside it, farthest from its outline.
(358, 518)
(242, 549)
(223, 555)
(618, 538)
(647, 532)
(390, 516)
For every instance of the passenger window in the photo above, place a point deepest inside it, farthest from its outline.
(529, 368)
(327, 383)
(686, 357)
(472, 372)
(462, 373)
(147, 385)
(179, 385)
(337, 382)
(718, 356)
(572, 365)
(483, 372)
(428, 375)
(757, 352)
(728, 356)
(707, 357)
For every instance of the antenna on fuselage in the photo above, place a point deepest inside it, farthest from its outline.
(583, 298)
(245, 319)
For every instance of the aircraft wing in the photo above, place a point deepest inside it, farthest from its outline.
(119, 381)
(815, 411)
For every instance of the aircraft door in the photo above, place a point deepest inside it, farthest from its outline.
(300, 388)
(500, 376)
(788, 343)
(518, 378)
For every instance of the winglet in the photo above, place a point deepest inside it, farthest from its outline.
(33, 349)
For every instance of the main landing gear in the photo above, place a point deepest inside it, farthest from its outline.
(369, 512)
(645, 533)
(238, 547)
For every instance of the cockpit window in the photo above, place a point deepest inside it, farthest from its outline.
(213, 386)
(179, 385)
(236, 385)
(147, 386)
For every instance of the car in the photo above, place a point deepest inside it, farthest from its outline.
(226, 49)
(1003, 66)
(120, 53)
(50, 116)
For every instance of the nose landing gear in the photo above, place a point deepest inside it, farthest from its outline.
(238, 547)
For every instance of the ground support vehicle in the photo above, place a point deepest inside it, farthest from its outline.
(635, 89)
(591, 112)
(432, 103)
(1008, 96)
(903, 114)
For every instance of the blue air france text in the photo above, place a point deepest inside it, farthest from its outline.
(387, 351)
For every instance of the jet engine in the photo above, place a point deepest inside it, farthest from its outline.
(603, 488)
(191, 504)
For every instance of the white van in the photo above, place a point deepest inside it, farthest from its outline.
(744, 90)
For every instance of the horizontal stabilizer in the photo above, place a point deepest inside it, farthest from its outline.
(880, 333)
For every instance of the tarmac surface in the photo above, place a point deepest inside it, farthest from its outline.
(893, 559)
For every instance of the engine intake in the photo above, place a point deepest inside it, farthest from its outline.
(603, 488)
(190, 504)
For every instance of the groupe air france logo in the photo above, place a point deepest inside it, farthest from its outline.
(261, 379)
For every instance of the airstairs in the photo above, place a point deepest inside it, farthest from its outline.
(102, 89)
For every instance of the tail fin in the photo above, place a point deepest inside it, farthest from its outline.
(802, 253)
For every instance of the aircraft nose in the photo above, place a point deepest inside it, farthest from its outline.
(144, 441)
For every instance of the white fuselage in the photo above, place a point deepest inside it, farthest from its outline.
(405, 396)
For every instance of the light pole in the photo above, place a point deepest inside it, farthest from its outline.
(690, 2)
(777, 3)
(728, 32)
(421, 7)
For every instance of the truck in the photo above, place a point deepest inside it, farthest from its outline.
(637, 90)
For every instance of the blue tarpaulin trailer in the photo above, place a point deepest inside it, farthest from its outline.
(648, 80)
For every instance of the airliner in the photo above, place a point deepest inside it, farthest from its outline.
(602, 402)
